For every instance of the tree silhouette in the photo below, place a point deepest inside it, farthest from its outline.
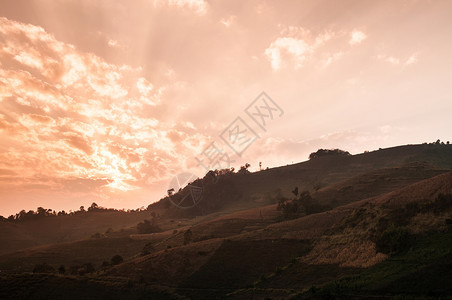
(61, 269)
(301, 205)
(105, 265)
(43, 268)
(244, 169)
(116, 260)
(148, 227)
(328, 152)
(93, 207)
(187, 236)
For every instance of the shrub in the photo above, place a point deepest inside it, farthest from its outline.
(105, 265)
(393, 240)
(148, 227)
(97, 235)
(43, 268)
(290, 208)
(89, 268)
(116, 260)
(82, 269)
(187, 237)
(61, 269)
(147, 249)
(299, 206)
(442, 203)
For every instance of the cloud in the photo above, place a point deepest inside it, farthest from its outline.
(331, 57)
(113, 43)
(299, 51)
(412, 59)
(197, 6)
(390, 59)
(73, 118)
(357, 37)
(295, 47)
(228, 21)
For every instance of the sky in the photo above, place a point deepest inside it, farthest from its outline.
(108, 101)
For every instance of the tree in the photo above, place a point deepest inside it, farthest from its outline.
(89, 268)
(393, 240)
(116, 260)
(302, 204)
(61, 269)
(244, 169)
(328, 152)
(93, 207)
(187, 236)
(105, 265)
(43, 268)
(82, 269)
(148, 227)
(41, 212)
(147, 249)
(290, 208)
(82, 208)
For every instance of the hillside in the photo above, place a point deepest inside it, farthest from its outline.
(242, 191)
(379, 212)
(330, 178)
(16, 236)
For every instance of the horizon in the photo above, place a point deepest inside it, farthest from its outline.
(106, 103)
(75, 208)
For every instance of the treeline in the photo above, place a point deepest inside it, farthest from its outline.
(78, 269)
(217, 185)
(301, 205)
(328, 152)
(438, 142)
(41, 213)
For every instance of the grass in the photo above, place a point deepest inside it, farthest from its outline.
(237, 264)
(424, 270)
(45, 286)
(93, 251)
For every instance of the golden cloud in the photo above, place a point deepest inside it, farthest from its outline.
(71, 116)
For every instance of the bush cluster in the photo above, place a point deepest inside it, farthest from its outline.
(393, 240)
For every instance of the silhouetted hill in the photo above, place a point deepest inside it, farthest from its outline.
(330, 179)
(259, 188)
(57, 229)
(384, 224)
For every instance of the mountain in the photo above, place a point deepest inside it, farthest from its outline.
(369, 225)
